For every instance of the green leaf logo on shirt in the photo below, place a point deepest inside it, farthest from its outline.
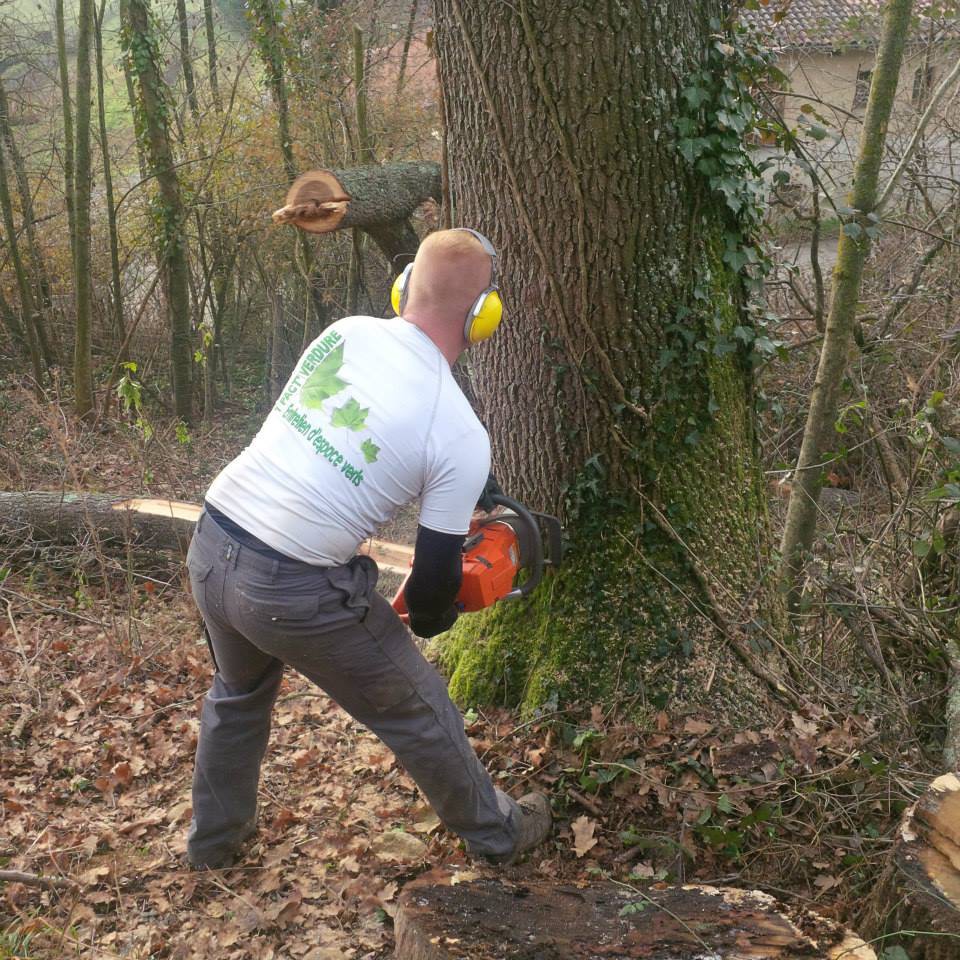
(350, 415)
(369, 450)
(324, 382)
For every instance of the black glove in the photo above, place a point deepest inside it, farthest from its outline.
(490, 488)
(427, 627)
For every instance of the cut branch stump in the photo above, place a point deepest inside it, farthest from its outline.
(376, 198)
(445, 915)
(919, 890)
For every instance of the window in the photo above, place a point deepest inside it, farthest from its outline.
(862, 91)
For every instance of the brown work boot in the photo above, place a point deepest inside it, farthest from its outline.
(535, 822)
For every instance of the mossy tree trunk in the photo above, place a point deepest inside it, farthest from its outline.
(603, 394)
(152, 116)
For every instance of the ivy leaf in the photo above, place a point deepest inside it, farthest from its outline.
(369, 450)
(351, 415)
(695, 96)
(324, 382)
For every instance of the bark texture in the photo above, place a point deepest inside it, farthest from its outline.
(39, 519)
(918, 896)
(443, 915)
(604, 399)
(32, 522)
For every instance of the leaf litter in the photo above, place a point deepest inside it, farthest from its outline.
(98, 724)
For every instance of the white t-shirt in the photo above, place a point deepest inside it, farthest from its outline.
(370, 419)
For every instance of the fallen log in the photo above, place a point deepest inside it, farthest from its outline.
(376, 198)
(127, 529)
(916, 903)
(446, 915)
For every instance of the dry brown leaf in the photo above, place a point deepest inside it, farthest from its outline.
(696, 726)
(95, 874)
(583, 838)
(398, 846)
(289, 909)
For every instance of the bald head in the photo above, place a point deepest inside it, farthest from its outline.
(450, 271)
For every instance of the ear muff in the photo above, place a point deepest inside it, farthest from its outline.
(484, 317)
(398, 293)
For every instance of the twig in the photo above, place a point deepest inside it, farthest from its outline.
(25, 715)
(34, 880)
(584, 802)
(935, 99)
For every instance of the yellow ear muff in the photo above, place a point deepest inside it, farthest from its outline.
(398, 293)
(484, 318)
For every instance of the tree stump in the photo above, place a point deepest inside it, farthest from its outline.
(919, 889)
(445, 915)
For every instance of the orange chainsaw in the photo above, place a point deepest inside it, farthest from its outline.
(496, 549)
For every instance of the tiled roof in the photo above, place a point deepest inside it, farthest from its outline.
(829, 24)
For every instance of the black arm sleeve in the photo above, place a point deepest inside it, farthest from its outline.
(434, 582)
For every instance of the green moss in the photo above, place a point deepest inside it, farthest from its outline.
(590, 632)
(625, 619)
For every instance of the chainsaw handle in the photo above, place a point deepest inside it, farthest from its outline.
(536, 545)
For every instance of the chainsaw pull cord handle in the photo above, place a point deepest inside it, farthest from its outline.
(536, 545)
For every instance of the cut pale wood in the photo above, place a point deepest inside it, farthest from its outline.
(117, 525)
(445, 915)
(920, 887)
(376, 198)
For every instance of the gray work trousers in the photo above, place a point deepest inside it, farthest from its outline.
(331, 625)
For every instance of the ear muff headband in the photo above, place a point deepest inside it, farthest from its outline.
(484, 316)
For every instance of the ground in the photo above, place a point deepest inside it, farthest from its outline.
(98, 723)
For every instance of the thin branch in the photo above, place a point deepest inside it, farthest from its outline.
(935, 99)
(33, 880)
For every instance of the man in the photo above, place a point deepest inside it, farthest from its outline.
(370, 419)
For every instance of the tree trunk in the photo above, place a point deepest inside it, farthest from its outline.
(186, 64)
(68, 182)
(153, 115)
(27, 306)
(608, 393)
(116, 279)
(918, 895)
(801, 521)
(13, 326)
(82, 261)
(38, 520)
(443, 915)
(132, 100)
(37, 269)
(407, 39)
(212, 54)
(377, 199)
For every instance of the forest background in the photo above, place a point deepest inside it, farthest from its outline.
(152, 312)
